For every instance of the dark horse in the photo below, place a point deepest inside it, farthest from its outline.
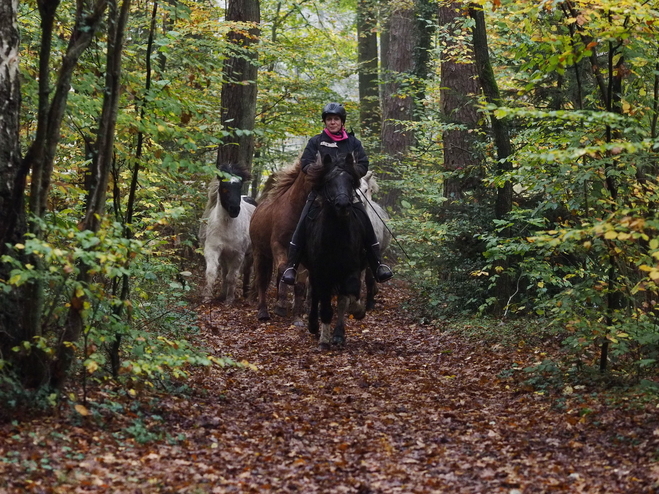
(333, 252)
(271, 229)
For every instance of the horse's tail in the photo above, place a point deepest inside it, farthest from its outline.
(213, 187)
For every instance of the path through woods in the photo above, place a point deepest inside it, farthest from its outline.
(404, 408)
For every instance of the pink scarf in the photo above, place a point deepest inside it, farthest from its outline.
(337, 137)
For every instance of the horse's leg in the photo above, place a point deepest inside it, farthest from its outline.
(371, 290)
(300, 296)
(263, 274)
(356, 307)
(212, 256)
(280, 257)
(339, 336)
(247, 274)
(326, 313)
(231, 269)
(313, 315)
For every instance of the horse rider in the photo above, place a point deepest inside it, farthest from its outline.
(335, 141)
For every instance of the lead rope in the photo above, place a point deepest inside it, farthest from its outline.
(385, 225)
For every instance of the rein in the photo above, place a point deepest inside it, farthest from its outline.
(384, 223)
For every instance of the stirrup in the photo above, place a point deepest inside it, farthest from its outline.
(383, 273)
(289, 276)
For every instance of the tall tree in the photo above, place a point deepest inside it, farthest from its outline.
(12, 175)
(398, 42)
(239, 89)
(459, 88)
(398, 45)
(99, 171)
(500, 131)
(367, 51)
(24, 323)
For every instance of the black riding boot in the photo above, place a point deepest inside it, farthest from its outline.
(296, 246)
(381, 272)
(294, 254)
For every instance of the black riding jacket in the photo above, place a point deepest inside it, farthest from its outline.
(324, 145)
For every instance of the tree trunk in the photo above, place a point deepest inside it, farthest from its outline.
(397, 103)
(504, 201)
(369, 89)
(238, 97)
(500, 130)
(100, 172)
(12, 174)
(458, 92)
(25, 315)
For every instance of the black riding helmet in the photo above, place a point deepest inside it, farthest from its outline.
(335, 109)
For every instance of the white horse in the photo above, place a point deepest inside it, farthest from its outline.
(378, 216)
(224, 233)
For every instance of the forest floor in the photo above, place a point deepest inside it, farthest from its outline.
(402, 408)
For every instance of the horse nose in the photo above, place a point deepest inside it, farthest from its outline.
(234, 211)
(341, 203)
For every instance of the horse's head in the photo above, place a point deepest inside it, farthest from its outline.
(231, 178)
(368, 185)
(339, 180)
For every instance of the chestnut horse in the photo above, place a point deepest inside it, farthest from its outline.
(271, 229)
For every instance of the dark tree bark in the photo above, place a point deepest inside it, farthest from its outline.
(12, 175)
(103, 149)
(398, 44)
(459, 88)
(397, 63)
(369, 89)
(99, 174)
(23, 322)
(238, 98)
(11, 192)
(500, 131)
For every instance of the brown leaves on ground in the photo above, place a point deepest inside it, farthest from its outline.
(403, 408)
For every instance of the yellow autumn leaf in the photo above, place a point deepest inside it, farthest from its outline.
(91, 366)
(14, 279)
(610, 235)
(82, 410)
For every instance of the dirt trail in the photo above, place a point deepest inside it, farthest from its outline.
(402, 408)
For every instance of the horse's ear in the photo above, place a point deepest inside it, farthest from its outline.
(350, 159)
(368, 175)
(327, 160)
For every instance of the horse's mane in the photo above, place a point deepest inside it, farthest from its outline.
(280, 182)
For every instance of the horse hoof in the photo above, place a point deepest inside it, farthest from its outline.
(281, 311)
(357, 310)
(339, 341)
(370, 306)
(263, 315)
(324, 347)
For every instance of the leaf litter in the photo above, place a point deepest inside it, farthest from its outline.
(402, 408)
